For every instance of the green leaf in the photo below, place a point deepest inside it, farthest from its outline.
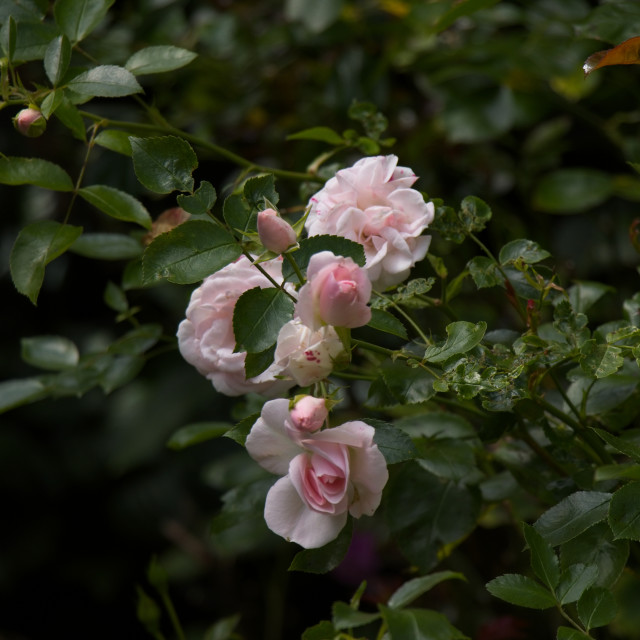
(346, 617)
(32, 40)
(337, 245)
(525, 250)
(462, 337)
(525, 592)
(256, 363)
(567, 633)
(35, 247)
(600, 360)
(394, 444)
(624, 512)
(54, 353)
(419, 624)
(105, 81)
(574, 580)
(114, 140)
(201, 201)
(260, 192)
(78, 18)
(320, 631)
(384, 321)
(15, 393)
(117, 204)
(163, 164)
(189, 253)
(41, 173)
(618, 471)
(119, 371)
(474, 214)
(138, 340)
(195, 433)
(447, 458)
(627, 447)
(223, 629)
(572, 190)
(258, 317)
(8, 37)
(70, 117)
(596, 607)
(407, 385)
(413, 589)
(316, 16)
(115, 298)
(325, 558)
(572, 516)
(107, 246)
(485, 272)
(158, 59)
(238, 215)
(544, 561)
(583, 295)
(239, 432)
(57, 58)
(321, 134)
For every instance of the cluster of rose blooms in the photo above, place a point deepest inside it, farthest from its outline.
(326, 472)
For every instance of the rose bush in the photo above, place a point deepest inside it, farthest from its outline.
(327, 475)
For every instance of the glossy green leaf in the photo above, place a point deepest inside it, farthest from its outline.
(321, 134)
(619, 471)
(596, 607)
(624, 512)
(574, 580)
(484, 272)
(35, 247)
(36, 171)
(57, 58)
(526, 250)
(474, 214)
(107, 246)
(15, 393)
(163, 164)
(572, 516)
(346, 617)
(159, 59)
(544, 561)
(78, 18)
(51, 102)
(394, 444)
(32, 40)
(321, 631)
(437, 424)
(521, 590)
(419, 624)
(8, 37)
(258, 317)
(260, 192)
(105, 81)
(627, 447)
(49, 352)
(240, 431)
(572, 190)
(201, 201)
(117, 204)
(600, 360)
(413, 589)
(325, 558)
(114, 140)
(195, 433)
(239, 216)
(189, 253)
(385, 321)
(462, 337)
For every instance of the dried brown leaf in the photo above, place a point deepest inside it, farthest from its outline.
(627, 52)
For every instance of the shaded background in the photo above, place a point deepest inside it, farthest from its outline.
(493, 103)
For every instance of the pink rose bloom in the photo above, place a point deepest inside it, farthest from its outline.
(373, 203)
(305, 355)
(327, 475)
(337, 293)
(276, 234)
(206, 338)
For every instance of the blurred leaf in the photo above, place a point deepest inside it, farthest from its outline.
(385, 321)
(8, 37)
(35, 247)
(195, 433)
(613, 21)
(624, 512)
(419, 624)
(115, 298)
(325, 558)
(14, 393)
(447, 458)
(596, 607)
(119, 371)
(407, 385)
(572, 190)
(320, 631)
(201, 201)
(188, 253)
(627, 447)
(241, 430)
(32, 40)
(258, 317)
(222, 629)
(600, 360)
(484, 272)
(525, 592)
(346, 617)
(474, 214)
(462, 337)
(36, 171)
(544, 561)
(105, 81)
(148, 612)
(574, 580)
(242, 503)
(114, 140)
(49, 352)
(57, 58)
(163, 164)
(583, 294)
(394, 444)
(138, 340)
(460, 10)
(78, 18)
(316, 16)
(107, 246)
(572, 516)
(525, 250)
(321, 134)
(567, 633)
(158, 59)
(619, 471)
(117, 204)
(413, 589)
(627, 52)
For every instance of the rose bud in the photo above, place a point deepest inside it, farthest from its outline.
(276, 234)
(309, 413)
(167, 220)
(30, 122)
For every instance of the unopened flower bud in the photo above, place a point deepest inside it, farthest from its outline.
(30, 122)
(276, 234)
(167, 220)
(309, 413)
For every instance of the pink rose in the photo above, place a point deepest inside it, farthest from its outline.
(309, 414)
(336, 293)
(372, 203)
(276, 234)
(327, 475)
(30, 122)
(206, 338)
(305, 355)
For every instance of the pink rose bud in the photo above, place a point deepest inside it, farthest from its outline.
(276, 234)
(30, 122)
(337, 293)
(167, 220)
(309, 413)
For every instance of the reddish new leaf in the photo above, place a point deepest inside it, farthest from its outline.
(628, 52)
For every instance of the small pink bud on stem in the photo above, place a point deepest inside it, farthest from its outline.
(276, 234)
(30, 122)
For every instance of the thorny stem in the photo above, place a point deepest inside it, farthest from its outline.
(74, 195)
